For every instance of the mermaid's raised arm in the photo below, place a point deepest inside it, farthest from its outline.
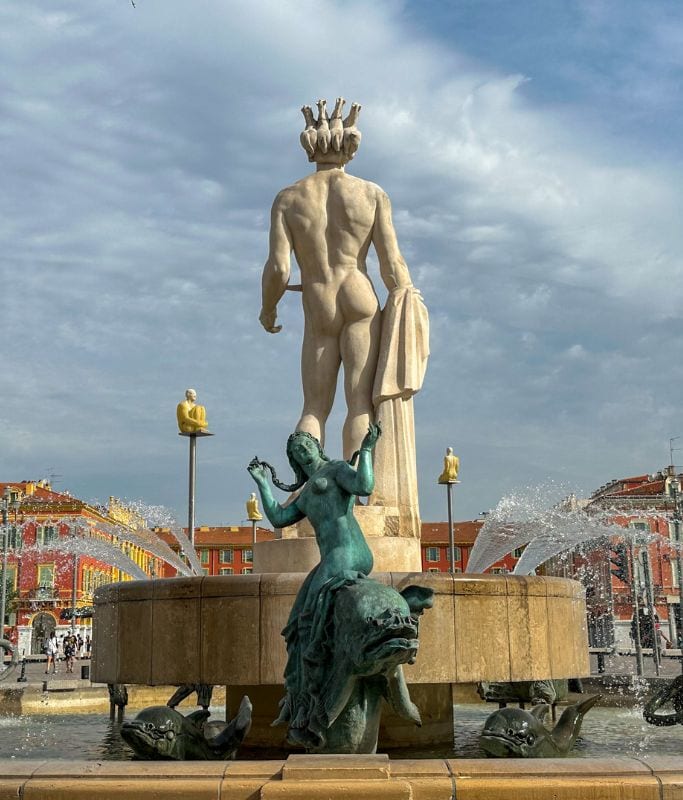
(278, 516)
(361, 481)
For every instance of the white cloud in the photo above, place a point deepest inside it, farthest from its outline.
(146, 146)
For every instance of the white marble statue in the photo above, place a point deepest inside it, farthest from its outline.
(329, 219)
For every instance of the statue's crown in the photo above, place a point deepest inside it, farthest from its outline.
(331, 139)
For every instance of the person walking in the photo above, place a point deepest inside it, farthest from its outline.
(52, 650)
(69, 652)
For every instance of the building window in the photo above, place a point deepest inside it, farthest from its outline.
(434, 569)
(226, 557)
(518, 551)
(225, 571)
(499, 571)
(46, 576)
(247, 571)
(14, 539)
(457, 555)
(204, 556)
(247, 555)
(457, 569)
(433, 554)
(640, 526)
(45, 534)
(11, 582)
(205, 570)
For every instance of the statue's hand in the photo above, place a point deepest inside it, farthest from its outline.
(257, 471)
(267, 319)
(371, 437)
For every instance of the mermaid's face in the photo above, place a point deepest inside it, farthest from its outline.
(305, 451)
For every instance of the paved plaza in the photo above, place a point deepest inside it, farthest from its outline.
(614, 665)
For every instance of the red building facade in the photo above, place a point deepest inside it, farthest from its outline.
(51, 567)
(644, 506)
(222, 550)
(436, 550)
(228, 550)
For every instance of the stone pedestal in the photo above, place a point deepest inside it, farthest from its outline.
(297, 551)
(391, 554)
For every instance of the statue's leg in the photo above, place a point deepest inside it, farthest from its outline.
(320, 361)
(359, 352)
(198, 414)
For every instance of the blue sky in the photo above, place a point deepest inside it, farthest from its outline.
(532, 152)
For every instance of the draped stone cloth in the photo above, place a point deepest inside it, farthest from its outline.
(404, 346)
(404, 350)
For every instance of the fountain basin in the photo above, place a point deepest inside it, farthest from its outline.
(357, 776)
(226, 629)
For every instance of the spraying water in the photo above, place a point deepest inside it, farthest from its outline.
(511, 524)
(534, 518)
(159, 516)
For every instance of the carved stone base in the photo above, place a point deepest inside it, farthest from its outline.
(374, 520)
(391, 554)
(394, 547)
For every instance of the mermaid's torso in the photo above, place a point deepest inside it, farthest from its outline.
(329, 508)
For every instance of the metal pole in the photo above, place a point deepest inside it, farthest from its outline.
(652, 611)
(193, 475)
(635, 587)
(253, 531)
(22, 677)
(451, 533)
(679, 564)
(3, 590)
(74, 590)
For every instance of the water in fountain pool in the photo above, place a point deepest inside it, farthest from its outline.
(606, 732)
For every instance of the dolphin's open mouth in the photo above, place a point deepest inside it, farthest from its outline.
(143, 736)
(393, 639)
(138, 738)
(499, 743)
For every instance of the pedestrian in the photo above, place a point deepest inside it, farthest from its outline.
(79, 646)
(666, 643)
(88, 646)
(69, 652)
(52, 650)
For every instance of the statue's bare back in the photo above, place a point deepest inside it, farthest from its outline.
(331, 246)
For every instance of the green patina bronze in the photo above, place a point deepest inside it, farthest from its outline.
(665, 707)
(534, 692)
(162, 733)
(347, 635)
(514, 733)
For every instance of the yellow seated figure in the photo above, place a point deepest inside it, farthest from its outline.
(253, 512)
(451, 465)
(191, 417)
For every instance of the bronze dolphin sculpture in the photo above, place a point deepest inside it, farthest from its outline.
(514, 733)
(672, 694)
(160, 732)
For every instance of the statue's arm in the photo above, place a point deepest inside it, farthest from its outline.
(279, 516)
(277, 268)
(360, 481)
(392, 267)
